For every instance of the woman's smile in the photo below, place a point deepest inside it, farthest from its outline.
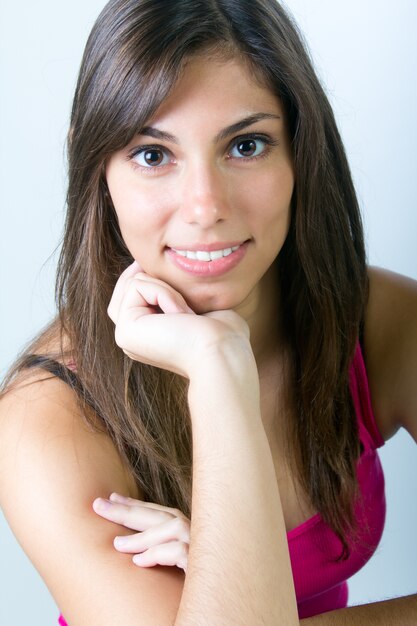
(203, 262)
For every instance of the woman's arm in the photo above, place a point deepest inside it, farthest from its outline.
(239, 571)
(52, 467)
(238, 565)
(396, 612)
(391, 350)
(391, 362)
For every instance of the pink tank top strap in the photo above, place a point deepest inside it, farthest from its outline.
(369, 433)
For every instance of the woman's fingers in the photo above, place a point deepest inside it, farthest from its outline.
(176, 529)
(152, 322)
(134, 288)
(164, 535)
(173, 553)
(154, 325)
(119, 289)
(117, 497)
(136, 517)
(144, 295)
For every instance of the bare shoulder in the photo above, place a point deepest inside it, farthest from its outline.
(391, 350)
(52, 466)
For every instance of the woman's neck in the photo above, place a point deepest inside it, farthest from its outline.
(261, 310)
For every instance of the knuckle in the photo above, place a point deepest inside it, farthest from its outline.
(119, 336)
(129, 516)
(112, 312)
(183, 550)
(118, 339)
(182, 528)
(131, 511)
(184, 547)
(165, 517)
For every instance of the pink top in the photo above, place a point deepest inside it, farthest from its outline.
(320, 581)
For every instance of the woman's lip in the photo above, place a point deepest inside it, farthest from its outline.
(209, 247)
(214, 268)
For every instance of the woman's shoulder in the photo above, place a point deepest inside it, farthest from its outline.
(390, 350)
(34, 402)
(41, 413)
(42, 423)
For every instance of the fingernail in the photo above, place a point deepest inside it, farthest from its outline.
(138, 559)
(100, 504)
(117, 497)
(119, 542)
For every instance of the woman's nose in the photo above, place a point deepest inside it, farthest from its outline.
(204, 198)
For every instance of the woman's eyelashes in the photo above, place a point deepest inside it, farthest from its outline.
(149, 157)
(250, 147)
(243, 148)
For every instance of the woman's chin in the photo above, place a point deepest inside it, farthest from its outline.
(201, 306)
(214, 302)
(205, 298)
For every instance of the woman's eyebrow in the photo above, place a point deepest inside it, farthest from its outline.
(246, 121)
(150, 131)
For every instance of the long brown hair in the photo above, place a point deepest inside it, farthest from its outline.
(132, 60)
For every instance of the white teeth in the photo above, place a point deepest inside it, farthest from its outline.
(204, 255)
(216, 254)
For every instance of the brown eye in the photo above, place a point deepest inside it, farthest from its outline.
(153, 157)
(247, 148)
(150, 156)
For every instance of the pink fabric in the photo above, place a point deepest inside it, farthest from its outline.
(320, 581)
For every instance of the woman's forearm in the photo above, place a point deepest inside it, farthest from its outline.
(397, 612)
(239, 570)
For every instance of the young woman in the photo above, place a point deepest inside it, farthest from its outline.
(202, 401)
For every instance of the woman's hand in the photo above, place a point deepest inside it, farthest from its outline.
(155, 325)
(164, 532)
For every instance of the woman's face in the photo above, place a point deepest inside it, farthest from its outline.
(203, 194)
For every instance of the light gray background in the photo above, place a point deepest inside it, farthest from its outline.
(366, 53)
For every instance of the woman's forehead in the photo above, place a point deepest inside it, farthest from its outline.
(213, 89)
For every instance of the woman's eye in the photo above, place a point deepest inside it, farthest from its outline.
(251, 147)
(150, 157)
